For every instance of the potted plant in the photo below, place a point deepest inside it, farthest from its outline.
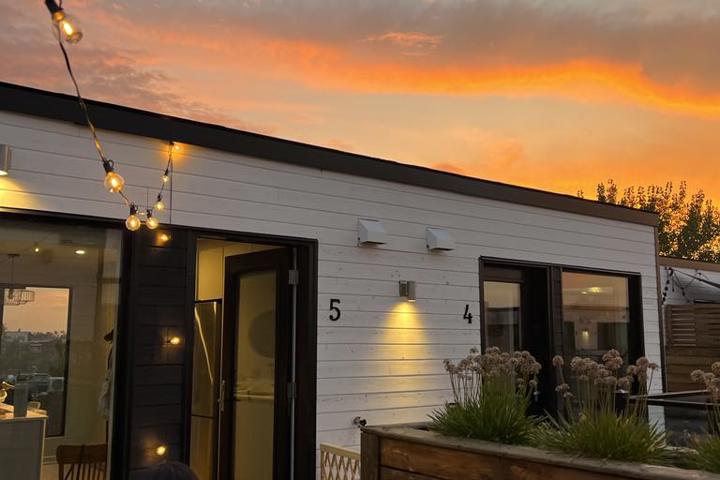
(486, 433)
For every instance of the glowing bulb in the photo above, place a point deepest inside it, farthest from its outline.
(133, 222)
(164, 237)
(3, 173)
(114, 182)
(159, 205)
(36, 248)
(80, 251)
(175, 147)
(165, 178)
(174, 341)
(66, 27)
(161, 450)
(152, 223)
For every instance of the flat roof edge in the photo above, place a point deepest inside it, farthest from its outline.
(689, 264)
(57, 106)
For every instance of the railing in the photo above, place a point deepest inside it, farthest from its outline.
(338, 463)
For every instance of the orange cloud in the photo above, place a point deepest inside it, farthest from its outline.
(583, 80)
(412, 43)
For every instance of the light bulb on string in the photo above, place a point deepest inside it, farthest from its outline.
(65, 26)
(159, 204)
(133, 222)
(166, 176)
(114, 182)
(151, 222)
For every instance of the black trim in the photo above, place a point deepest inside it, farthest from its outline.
(30, 101)
(125, 329)
(510, 270)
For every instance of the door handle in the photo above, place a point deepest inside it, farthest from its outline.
(221, 396)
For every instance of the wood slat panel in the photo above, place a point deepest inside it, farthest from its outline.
(692, 342)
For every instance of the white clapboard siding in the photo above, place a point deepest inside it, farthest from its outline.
(383, 359)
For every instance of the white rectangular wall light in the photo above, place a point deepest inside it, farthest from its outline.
(371, 232)
(439, 239)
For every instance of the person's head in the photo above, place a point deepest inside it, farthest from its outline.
(168, 471)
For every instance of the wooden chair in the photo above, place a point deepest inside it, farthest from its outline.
(83, 462)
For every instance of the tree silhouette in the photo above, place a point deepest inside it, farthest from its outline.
(688, 226)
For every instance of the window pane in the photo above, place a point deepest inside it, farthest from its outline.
(60, 291)
(502, 315)
(35, 352)
(596, 312)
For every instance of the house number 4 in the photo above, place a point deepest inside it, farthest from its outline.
(467, 315)
(334, 309)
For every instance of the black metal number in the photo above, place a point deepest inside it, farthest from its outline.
(467, 315)
(334, 309)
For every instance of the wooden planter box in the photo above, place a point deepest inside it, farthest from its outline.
(411, 452)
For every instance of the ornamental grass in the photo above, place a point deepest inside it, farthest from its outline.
(596, 420)
(707, 448)
(492, 393)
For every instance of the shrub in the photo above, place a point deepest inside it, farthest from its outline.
(708, 448)
(492, 393)
(707, 455)
(593, 423)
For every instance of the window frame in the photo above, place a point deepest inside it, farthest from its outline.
(488, 271)
(68, 339)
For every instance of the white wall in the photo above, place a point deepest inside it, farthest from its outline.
(381, 360)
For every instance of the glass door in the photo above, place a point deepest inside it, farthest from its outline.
(255, 404)
(517, 317)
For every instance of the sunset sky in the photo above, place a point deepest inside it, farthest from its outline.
(553, 94)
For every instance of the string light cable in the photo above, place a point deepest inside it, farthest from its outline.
(66, 28)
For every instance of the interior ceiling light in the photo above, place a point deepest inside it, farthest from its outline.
(15, 296)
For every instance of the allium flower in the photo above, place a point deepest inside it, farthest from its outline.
(715, 367)
(558, 361)
(697, 375)
(653, 366)
(642, 362)
(624, 383)
(563, 387)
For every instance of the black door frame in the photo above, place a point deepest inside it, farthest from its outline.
(305, 394)
(536, 335)
(279, 261)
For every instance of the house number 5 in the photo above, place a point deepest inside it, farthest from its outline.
(334, 309)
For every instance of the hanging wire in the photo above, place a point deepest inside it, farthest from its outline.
(107, 163)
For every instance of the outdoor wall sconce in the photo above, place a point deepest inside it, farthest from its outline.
(161, 450)
(5, 158)
(407, 290)
(371, 232)
(439, 239)
(175, 340)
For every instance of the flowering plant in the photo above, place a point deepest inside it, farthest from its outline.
(492, 393)
(595, 423)
(708, 448)
(599, 385)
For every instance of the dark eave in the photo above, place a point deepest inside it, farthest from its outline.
(689, 264)
(107, 116)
